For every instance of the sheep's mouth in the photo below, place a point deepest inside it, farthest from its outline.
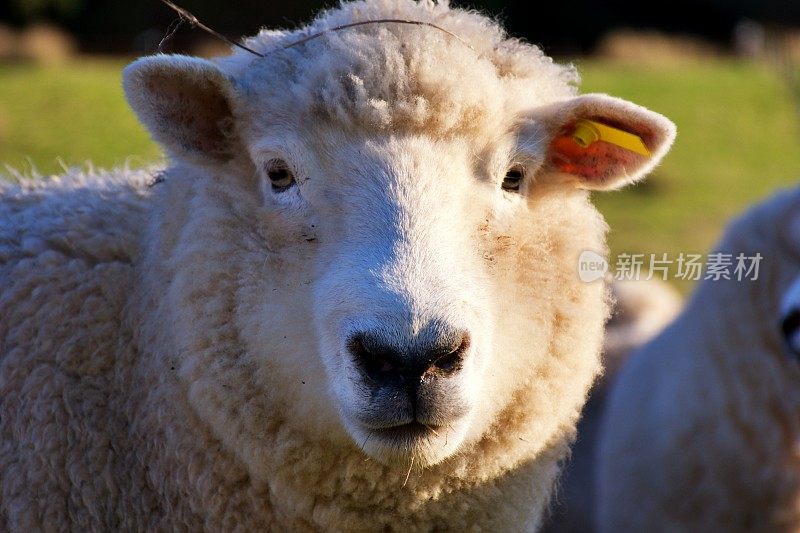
(409, 432)
(395, 444)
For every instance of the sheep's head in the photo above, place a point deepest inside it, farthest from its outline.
(422, 203)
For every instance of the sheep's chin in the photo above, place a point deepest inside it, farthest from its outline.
(397, 445)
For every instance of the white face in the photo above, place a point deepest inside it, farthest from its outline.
(401, 290)
(406, 285)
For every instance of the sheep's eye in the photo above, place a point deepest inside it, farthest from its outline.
(790, 326)
(279, 174)
(790, 318)
(513, 178)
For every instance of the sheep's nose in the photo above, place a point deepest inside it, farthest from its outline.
(387, 364)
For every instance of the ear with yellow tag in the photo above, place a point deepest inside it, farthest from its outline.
(599, 142)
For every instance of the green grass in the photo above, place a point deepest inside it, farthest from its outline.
(74, 112)
(737, 142)
(737, 139)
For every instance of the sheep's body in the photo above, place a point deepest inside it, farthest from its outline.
(702, 428)
(193, 355)
(96, 418)
(641, 310)
(66, 254)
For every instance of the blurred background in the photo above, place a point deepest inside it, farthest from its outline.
(726, 71)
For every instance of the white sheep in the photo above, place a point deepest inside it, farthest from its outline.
(702, 432)
(351, 302)
(641, 309)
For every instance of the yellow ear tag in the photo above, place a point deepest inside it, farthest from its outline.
(589, 131)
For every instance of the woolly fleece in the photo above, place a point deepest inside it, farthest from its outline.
(160, 365)
(702, 427)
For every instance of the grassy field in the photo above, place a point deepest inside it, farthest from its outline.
(737, 142)
(737, 139)
(74, 113)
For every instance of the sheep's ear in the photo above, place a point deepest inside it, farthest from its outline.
(599, 142)
(186, 103)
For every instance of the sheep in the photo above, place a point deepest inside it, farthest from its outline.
(350, 301)
(702, 428)
(641, 308)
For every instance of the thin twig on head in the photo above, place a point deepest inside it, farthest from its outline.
(194, 22)
(171, 30)
(376, 21)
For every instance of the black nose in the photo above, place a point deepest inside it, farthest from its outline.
(385, 363)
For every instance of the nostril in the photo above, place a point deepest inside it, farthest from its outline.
(384, 363)
(448, 363)
(451, 361)
(385, 366)
(377, 361)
